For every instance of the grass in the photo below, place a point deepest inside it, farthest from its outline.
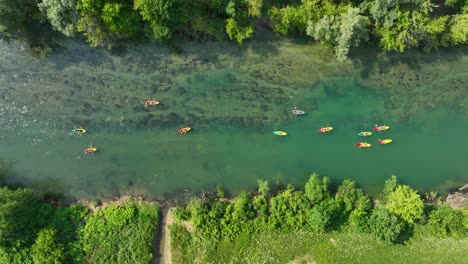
(336, 247)
(120, 234)
(358, 248)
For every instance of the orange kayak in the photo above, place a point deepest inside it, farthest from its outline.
(381, 128)
(184, 130)
(325, 129)
(363, 145)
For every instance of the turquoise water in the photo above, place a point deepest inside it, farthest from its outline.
(233, 99)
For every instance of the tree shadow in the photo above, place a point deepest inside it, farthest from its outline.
(372, 58)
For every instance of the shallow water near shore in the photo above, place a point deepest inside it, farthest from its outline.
(233, 98)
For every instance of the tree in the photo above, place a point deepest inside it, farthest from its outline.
(18, 216)
(323, 215)
(384, 225)
(255, 7)
(237, 32)
(459, 29)
(46, 250)
(405, 203)
(120, 19)
(357, 220)
(316, 188)
(15, 15)
(351, 197)
(340, 32)
(286, 19)
(296, 18)
(263, 186)
(325, 30)
(62, 15)
(353, 30)
(96, 34)
(405, 24)
(91, 24)
(389, 186)
(161, 16)
(445, 221)
(288, 209)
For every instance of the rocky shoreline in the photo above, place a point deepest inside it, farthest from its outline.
(458, 199)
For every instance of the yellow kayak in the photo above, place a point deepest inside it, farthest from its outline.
(385, 141)
(91, 150)
(325, 129)
(280, 133)
(381, 128)
(365, 134)
(184, 130)
(363, 145)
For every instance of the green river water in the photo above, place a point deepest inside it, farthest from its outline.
(233, 98)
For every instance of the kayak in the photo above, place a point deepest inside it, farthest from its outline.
(184, 130)
(381, 128)
(91, 150)
(280, 133)
(80, 130)
(365, 134)
(150, 102)
(363, 145)
(298, 112)
(385, 141)
(325, 129)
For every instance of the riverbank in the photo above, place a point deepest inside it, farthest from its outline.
(266, 226)
(315, 225)
(36, 232)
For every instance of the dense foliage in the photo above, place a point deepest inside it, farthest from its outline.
(391, 219)
(120, 234)
(32, 231)
(397, 25)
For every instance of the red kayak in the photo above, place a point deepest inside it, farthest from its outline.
(150, 102)
(325, 129)
(363, 145)
(381, 128)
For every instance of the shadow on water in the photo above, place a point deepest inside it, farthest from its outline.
(371, 59)
(48, 188)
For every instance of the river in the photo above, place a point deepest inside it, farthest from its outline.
(233, 98)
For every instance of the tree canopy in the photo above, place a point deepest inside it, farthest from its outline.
(405, 203)
(339, 25)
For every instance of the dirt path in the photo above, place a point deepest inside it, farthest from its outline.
(165, 256)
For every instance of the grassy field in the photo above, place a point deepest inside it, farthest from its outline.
(306, 247)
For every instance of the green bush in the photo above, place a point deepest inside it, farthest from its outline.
(405, 203)
(120, 234)
(385, 226)
(46, 249)
(444, 222)
(181, 214)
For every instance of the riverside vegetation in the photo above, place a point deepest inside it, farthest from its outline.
(272, 225)
(344, 226)
(32, 231)
(339, 25)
